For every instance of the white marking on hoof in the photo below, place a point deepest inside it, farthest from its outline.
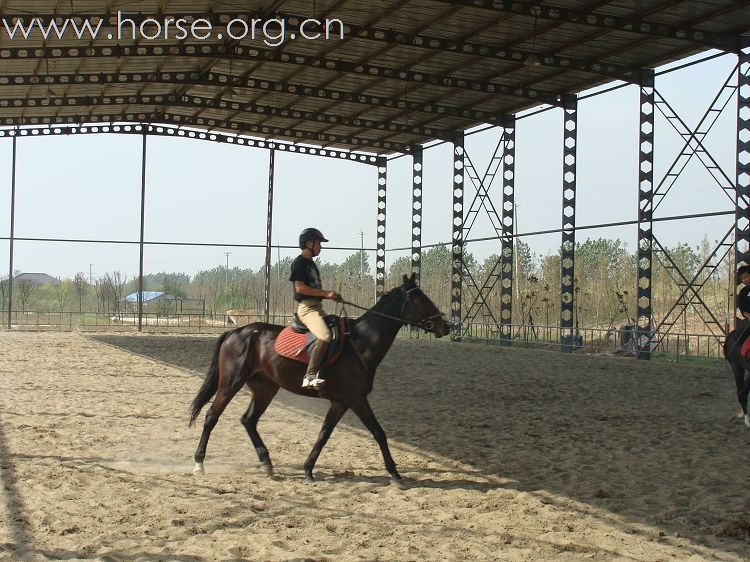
(199, 468)
(747, 420)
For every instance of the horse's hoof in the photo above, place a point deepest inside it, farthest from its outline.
(309, 478)
(267, 469)
(199, 470)
(747, 420)
(398, 483)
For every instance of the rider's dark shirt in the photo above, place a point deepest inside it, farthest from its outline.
(743, 299)
(305, 270)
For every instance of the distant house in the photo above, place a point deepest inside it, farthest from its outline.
(37, 279)
(156, 301)
(150, 296)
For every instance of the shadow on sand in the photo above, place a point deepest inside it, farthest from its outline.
(639, 440)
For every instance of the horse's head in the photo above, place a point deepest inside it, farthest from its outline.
(420, 311)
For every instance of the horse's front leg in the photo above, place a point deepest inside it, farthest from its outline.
(365, 413)
(264, 392)
(335, 412)
(223, 397)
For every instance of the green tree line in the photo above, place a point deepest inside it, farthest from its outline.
(605, 274)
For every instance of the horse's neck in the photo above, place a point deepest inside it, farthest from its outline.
(375, 333)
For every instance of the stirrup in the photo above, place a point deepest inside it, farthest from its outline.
(314, 383)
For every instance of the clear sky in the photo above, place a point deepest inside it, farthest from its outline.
(88, 186)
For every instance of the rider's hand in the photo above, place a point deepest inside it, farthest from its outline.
(333, 295)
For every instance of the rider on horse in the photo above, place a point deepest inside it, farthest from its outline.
(743, 303)
(308, 292)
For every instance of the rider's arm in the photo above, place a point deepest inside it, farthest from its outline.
(307, 291)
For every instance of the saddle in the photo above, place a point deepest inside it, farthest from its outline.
(745, 348)
(295, 341)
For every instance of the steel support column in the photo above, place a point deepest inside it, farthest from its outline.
(416, 215)
(380, 245)
(567, 261)
(457, 261)
(742, 205)
(143, 228)
(507, 242)
(12, 232)
(269, 228)
(645, 210)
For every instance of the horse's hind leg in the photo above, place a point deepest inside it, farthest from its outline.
(742, 395)
(365, 413)
(224, 396)
(743, 387)
(264, 392)
(335, 412)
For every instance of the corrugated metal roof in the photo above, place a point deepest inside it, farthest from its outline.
(147, 296)
(407, 72)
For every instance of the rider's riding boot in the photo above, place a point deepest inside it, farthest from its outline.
(312, 376)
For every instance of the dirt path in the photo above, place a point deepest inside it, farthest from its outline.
(508, 454)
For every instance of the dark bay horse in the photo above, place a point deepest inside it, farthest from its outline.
(739, 365)
(246, 356)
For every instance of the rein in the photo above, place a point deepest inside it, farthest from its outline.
(426, 322)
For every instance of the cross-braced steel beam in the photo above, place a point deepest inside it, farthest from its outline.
(502, 225)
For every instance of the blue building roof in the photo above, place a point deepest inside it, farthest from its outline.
(147, 296)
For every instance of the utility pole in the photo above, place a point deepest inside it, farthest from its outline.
(361, 255)
(91, 274)
(361, 263)
(515, 251)
(226, 272)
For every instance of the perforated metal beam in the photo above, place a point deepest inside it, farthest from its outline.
(645, 209)
(588, 17)
(380, 242)
(499, 52)
(507, 242)
(269, 232)
(601, 20)
(201, 102)
(107, 127)
(375, 34)
(12, 226)
(568, 247)
(222, 80)
(742, 206)
(416, 215)
(255, 54)
(457, 247)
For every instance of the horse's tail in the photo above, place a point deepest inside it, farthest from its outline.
(210, 383)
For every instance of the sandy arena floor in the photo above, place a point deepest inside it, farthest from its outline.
(507, 454)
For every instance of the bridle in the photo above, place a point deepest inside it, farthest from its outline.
(425, 322)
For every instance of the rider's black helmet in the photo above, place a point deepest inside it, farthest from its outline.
(310, 234)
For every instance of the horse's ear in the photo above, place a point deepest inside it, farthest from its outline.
(406, 279)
